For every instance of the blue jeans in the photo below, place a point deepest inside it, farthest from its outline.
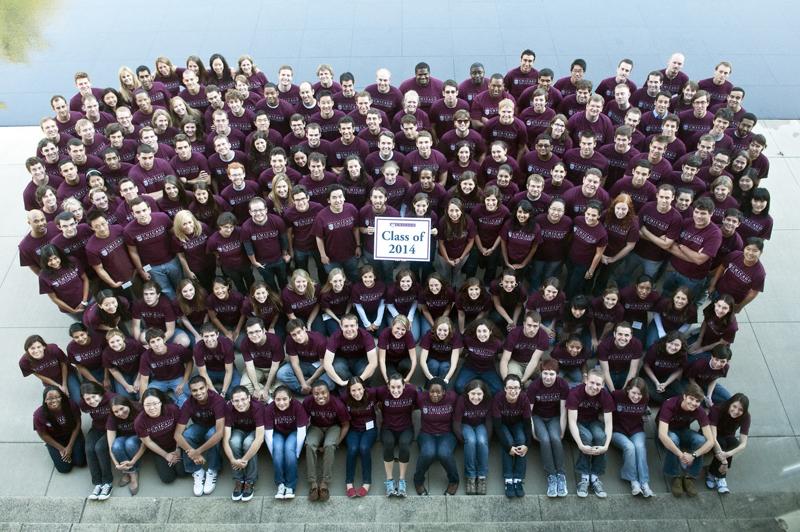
(688, 440)
(439, 447)
(618, 378)
(349, 367)
(572, 375)
(438, 368)
(632, 263)
(514, 466)
(350, 267)
(673, 279)
(551, 448)
(634, 456)
(490, 378)
(119, 389)
(286, 376)
(196, 435)
(383, 269)
(476, 450)
(167, 276)
(592, 434)
(284, 459)
(302, 261)
(652, 335)
(359, 444)
(125, 448)
(240, 443)
(74, 385)
(78, 457)
(540, 270)
(169, 386)
(218, 377)
(576, 282)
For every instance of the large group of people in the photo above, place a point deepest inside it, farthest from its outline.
(212, 233)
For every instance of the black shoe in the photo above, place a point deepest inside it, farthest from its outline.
(519, 490)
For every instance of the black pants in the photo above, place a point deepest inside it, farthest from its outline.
(727, 443)
(98, 457)
(166, 473)
(401, 439)
(243, 279)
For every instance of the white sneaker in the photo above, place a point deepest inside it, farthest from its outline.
(281, 493)
(199, 477)
(210, 482)
(722, 486)
(95, 492)
(647, 491)
(636, 488)
(289, 494)
(105, 492)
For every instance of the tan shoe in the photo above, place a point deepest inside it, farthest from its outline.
(689, 487)
(677, 487)
(313, 492)
(324, 493)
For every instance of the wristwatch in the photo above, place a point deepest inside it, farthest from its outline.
(694, 454)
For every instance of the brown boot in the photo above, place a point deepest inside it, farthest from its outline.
(452, 488)
(471, 485)
(689, 487)
(313, 492)
(481, 487)
(677, 487)
(324, 494)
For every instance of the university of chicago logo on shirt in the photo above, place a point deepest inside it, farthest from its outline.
(232, 202)
(572, 166)
(138, 238)
(415, 168)
(385, 402)
(103, 252)
(424, 409)
(330, 227)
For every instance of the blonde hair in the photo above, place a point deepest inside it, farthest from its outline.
(177, 225)
(299, 272)
(127, 94)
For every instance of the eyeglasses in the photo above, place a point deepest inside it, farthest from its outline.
(152, 404)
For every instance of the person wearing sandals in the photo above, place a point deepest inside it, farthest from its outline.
(285, 425)
(397, 400)
(435, 439)
(242, 438)
(126, 447)
(472, 425)
(360, 402)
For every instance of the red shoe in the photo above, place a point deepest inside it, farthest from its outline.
(362, 491)
(351, 492)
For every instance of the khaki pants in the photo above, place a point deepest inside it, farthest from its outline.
(514, 367)
(325, 439)
(261, 375)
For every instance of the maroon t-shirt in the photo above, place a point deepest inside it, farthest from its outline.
(536, 123)
(470, 414)
(99, 413)
(636, 308)
(522, 347)
(456, 244)
(436, 418)
(402, 300)
(437, 304)
(153, 241)
(602, 315)
(299, 305)
(318, 188)
(66, 283)
(619, 358)
(203, 414)
(324, 416)
(473, 307)
(336, 231)
(156, 316)
(414, 163)
(677, 418)
(161, 429)
(370, 298)
(738, 279)
(577, 202)
(358, 347)
(48, 366)
(440, 349)
(589, 407)
(122, 427)
(229, 250)
(214, 359)
(302, 224)
(397, 411)
(286, 421)
(520, 240)
(310, 352)
(546, 400)
(164, 367)
(396, 348)
(708, 239)
(127, 360)
(364, 412)
(263, 356)
(716, 329)
(75, 247)
(357, 191)
(111, 254)
(246, 421)
(628, 416)
(89, 356)
(367, 216)
(553, 246)
(511, 413)
(336, 302)
(663, 364)
(228, 310)
(585, 241)
(59, 428)
(480, 356)
(667, 224)
(727, 426)
(568, 362)
(548, 310)
(673, 319)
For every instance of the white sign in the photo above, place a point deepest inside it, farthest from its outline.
(401, 239)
